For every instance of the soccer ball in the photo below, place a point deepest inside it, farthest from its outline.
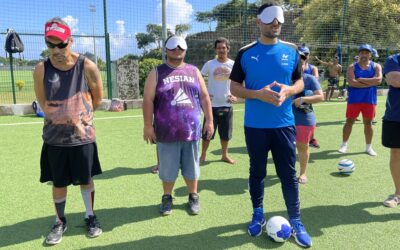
(346, 166)
(278, 229)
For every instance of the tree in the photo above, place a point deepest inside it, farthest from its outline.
(151, 42)
(364, 21)
(45, 53)
(152, 36)
(145, 67)
(180, 29)
(205, 17)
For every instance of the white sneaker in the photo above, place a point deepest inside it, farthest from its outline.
(343, 149)
(370, 152)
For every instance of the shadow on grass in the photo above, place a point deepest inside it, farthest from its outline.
(109, 218)
(210, 238)
(122, 171)
(229, 236)
(330, 123)
(233, 150)
(315, 218)
(330, 154)
(226, 187)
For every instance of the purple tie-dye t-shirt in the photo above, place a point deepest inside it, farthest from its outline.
(177, 109)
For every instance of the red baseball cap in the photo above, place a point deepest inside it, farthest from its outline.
(57, 30)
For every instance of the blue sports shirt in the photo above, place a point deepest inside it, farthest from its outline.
(259, 65)
(392, 112)
(305, 116)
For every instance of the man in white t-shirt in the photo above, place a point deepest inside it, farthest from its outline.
(218, 71)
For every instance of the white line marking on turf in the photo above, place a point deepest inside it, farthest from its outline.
(100, 118)
(140, 116)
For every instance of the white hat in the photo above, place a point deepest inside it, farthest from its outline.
(269, 14)
(175, 41)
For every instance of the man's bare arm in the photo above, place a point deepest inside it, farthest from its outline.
(393, 79)
(351, 79)
(376, 80)
(38, 77)
(95, 82)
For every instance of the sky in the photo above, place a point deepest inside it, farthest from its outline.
(125, 18)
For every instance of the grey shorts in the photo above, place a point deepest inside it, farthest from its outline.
(178, 155)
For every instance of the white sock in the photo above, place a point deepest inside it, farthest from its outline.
(344, 144)
(367, 147)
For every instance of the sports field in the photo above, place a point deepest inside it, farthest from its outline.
(339, 212)
(27, 93)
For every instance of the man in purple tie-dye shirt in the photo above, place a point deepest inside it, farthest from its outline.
(174, 95)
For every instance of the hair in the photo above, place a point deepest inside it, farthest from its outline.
(58, 20)
(266, 5)
(166, 40)
(222, 40)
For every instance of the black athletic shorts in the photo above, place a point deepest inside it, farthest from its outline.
(333, 82)
(69, 165)
(223, 122)
(390, 134)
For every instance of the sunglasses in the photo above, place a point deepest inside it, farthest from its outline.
(58, 45)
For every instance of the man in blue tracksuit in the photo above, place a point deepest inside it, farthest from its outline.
(272, 72)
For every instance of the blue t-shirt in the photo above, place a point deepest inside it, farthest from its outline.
(392, 112)
(304, 115)
(308, 70)
(363, 95)
(259, 65)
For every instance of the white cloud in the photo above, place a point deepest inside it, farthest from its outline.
(72, 22)
(117, 40)
(177, 12)
(120, 27)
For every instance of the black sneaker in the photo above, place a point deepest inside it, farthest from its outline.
(93, 226)
(314, 143)
(55, 235)
(194, 204)
(166, 204)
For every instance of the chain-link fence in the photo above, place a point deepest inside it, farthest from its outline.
(133, 30)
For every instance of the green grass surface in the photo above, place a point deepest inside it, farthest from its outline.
(340, 212)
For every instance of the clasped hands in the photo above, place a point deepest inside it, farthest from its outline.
(266, 94)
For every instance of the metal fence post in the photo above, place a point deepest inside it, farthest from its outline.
(164, 28)
(108, 57)
(12, 78)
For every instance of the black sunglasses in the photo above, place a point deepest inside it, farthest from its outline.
(58, 45)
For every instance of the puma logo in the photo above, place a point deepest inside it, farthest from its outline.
(255, 57)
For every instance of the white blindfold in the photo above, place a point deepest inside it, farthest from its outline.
(268, 15)
(176, 41)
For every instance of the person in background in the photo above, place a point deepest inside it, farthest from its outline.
(310, 69)
(218, 71)
(391, 125)
(363, 77)
(334, 69)
(305, 118)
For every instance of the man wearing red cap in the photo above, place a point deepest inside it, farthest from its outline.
(69, 88)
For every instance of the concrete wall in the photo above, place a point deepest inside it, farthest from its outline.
(26, 109)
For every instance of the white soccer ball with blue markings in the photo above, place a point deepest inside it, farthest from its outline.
(278, 229)
(346, 166)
